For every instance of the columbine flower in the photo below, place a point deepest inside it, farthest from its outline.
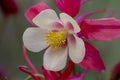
(59, 35)
(92, 58)
(104, 29)
(8, 7)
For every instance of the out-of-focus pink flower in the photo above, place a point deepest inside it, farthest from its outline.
(104, 29)
(8, 7)
(115, 74)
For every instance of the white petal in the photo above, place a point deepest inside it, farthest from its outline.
(46, 18)
(33, 39)
(55, 60)
(76, 49)
(66, 18)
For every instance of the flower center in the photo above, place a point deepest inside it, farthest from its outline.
(56, 39)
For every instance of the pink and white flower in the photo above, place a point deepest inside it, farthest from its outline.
(104, 29)
(56, 34)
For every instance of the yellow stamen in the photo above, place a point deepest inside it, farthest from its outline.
(56, 39)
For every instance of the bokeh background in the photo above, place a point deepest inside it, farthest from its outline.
(12, 28)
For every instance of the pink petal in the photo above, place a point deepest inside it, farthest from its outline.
(70, 7)
(92, 60)
(104, 29)
(86, 15)
(34, 10)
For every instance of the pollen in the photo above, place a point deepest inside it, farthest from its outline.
(56, 39)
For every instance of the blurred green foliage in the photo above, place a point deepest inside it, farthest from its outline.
(12, 28)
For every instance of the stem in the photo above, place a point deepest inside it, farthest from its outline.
(23, 68)
(29, 61)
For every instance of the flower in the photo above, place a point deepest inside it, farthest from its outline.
(8, 7)
(59, 35)
(104, 29)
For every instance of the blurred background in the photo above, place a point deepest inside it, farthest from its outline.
(13, 24)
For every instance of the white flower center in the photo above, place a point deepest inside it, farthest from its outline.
(56, 39)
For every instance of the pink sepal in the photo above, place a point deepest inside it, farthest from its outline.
(70, 7)
(34, 10)
(92, 60)
(104, 29)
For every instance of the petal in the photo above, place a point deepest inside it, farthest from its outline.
(66, 18)
(76, 49)
(86, 15)
(57, 26)
(92, 60)
(70, 7)
(35, 10)
(46, 18)
(104, 29)
(33, 39)
(55, 60)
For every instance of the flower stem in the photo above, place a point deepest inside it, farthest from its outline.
(23, 68)
(29, 61)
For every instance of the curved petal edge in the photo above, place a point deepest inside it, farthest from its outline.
(92, 60)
